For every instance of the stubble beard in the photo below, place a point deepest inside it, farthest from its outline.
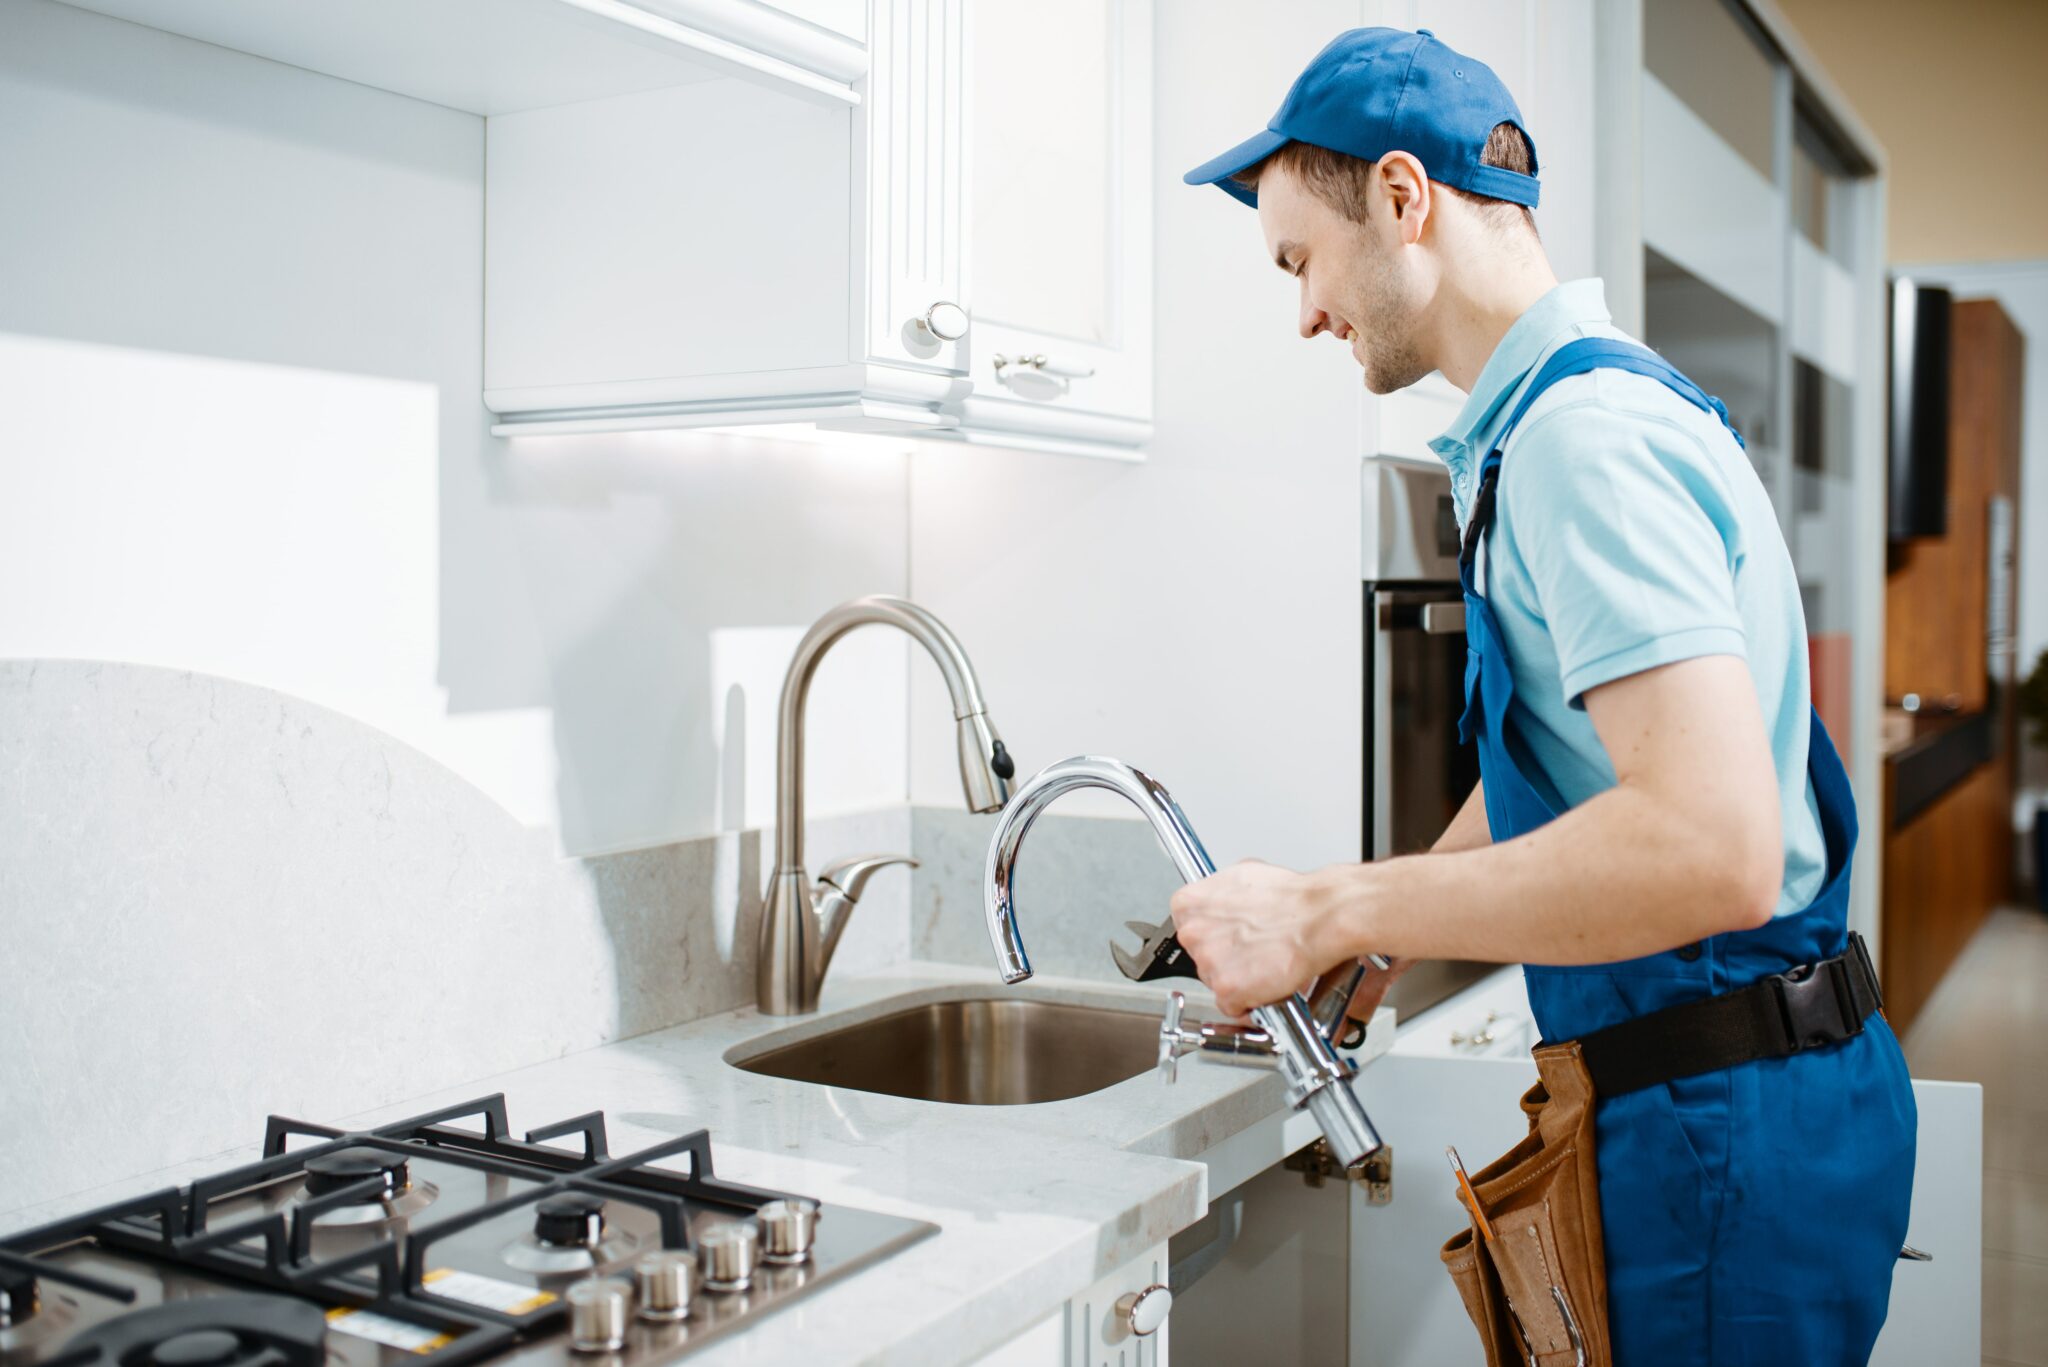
(1388, 352)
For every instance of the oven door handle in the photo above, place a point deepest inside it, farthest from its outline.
(1444, 618)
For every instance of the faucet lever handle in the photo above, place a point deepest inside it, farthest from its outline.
(835, 892)
(849, 876)
(1170, 1039)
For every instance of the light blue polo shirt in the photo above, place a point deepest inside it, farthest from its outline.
(1631, 531)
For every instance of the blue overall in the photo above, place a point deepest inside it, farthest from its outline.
(1751, 1215)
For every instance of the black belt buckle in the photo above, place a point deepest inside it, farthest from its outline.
(1815, 1004)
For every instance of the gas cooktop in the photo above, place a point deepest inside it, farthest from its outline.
(438, 1239)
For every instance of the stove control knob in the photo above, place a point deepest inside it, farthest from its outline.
(788, 1229)
(729, 1253)
(575, 1219)
(597, 1316)
(1144, 1311)
(666, 1280)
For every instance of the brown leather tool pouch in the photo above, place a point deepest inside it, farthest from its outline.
(1537, 1291)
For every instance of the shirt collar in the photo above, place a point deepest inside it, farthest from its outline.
(1565, 309)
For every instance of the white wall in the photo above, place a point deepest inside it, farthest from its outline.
(241, 433)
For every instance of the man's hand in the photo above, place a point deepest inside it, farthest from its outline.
(1371, 989)
(1252, 928)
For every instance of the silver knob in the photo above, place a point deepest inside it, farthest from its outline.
(665, 1280)
(728, 1254)
(944, 320)
(788, 1229)
(1145, 1310)
(597, 1316)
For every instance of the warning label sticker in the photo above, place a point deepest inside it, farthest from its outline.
(492, 1293)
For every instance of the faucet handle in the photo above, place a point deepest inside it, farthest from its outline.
(835, 892)
(849, 876)
(1170, 1038)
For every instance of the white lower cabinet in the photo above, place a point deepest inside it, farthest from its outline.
(1096, 1328)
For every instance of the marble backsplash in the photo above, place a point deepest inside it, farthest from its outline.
(1079, 878)
(219, 902)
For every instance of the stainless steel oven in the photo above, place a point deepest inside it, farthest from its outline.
(1416, 772)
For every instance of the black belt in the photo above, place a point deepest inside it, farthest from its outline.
(1808, 1007)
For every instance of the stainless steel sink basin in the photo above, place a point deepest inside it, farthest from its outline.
(982, 1052)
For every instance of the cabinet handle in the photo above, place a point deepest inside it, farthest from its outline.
(1144, 1311)
(1038, 377)
(944, 321)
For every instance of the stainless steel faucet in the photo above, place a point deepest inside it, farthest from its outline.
(802, 923)
(1316, 1077)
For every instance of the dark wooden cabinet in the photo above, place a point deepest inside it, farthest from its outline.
(1948, 852)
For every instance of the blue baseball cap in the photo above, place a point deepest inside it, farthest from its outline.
(1378, 90)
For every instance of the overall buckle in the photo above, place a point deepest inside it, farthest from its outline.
(1815, 1005)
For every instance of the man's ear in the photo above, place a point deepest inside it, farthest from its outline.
(1406, 187)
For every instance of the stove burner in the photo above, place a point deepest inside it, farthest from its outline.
(330, 1172)
(18, 1298)
(213, 1331)
(574, 1220)
(199, 1348)
(570, 1235)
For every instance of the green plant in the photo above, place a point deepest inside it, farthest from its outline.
(2034, 700)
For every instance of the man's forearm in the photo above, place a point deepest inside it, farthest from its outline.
(1615, 878)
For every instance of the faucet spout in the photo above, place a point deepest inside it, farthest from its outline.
(800, 923)
(1169, 823)
(985, 766)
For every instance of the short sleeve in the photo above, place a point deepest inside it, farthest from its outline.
(1628, 538)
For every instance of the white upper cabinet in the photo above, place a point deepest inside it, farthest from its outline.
(964, 253)
(499, 56)
(724, 253)
(1059, 111)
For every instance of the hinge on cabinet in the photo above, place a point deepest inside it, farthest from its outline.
(1376, 1174)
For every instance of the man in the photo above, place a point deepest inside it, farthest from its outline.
(1661, 820)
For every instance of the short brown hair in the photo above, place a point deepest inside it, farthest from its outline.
(1340, 180)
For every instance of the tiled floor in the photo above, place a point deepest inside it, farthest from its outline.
(1988, 1023)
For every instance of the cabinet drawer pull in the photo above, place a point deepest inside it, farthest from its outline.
(1038, 377)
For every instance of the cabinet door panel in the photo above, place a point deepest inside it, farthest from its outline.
(1404, 1309)
(1936, 1307)
(912, 184)
(1043, 209)
(1059, 264)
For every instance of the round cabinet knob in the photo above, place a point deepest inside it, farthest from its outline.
(597, 1316)
(728, 1255)
(665, 1280)
(788, 1229)
(944, 320)
(1145, 1310)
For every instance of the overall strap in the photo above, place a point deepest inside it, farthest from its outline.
(1577, 358)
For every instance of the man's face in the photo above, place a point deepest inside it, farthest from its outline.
(1353, 282)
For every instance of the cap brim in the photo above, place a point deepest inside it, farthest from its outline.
(1218, 171)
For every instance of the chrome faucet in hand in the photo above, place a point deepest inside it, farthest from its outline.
(1316, 1077)
(801, 924)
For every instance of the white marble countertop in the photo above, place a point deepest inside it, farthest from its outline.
(1033, 1202)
